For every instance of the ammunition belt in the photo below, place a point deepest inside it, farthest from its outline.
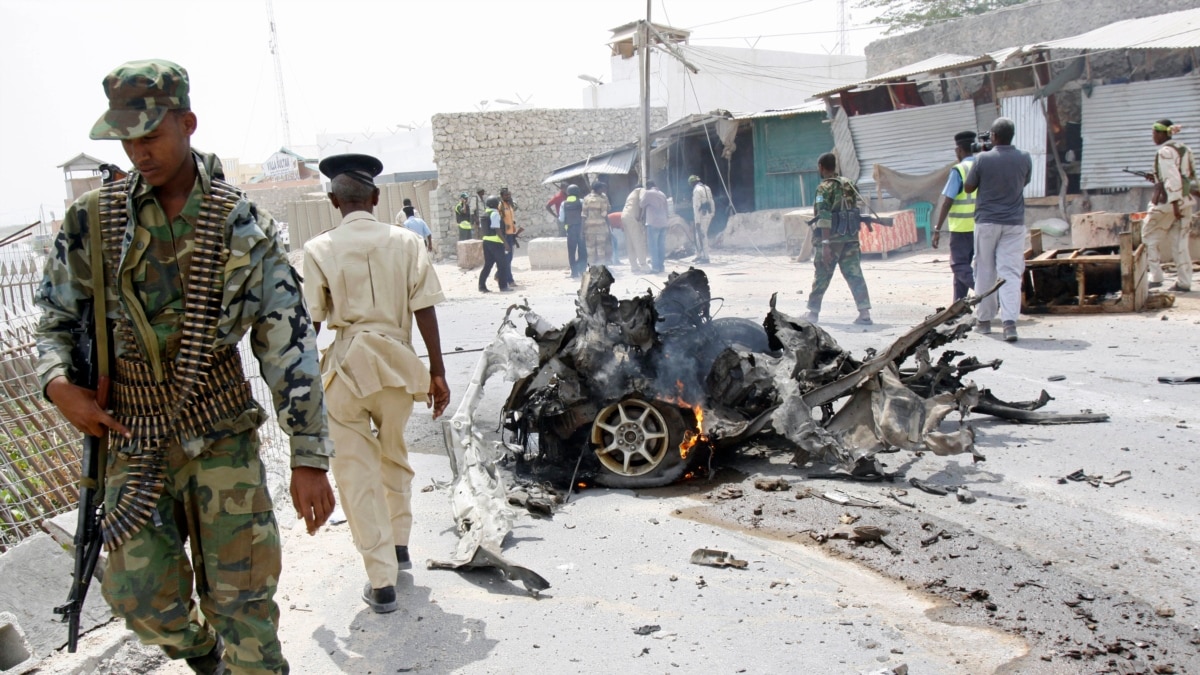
(201, 386)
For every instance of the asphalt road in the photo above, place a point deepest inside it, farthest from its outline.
(1080, 578)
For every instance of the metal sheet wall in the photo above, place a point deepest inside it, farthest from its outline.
(1030, 123)
(915, 141)
(785, 159)
(843, 142)
(1116, 127)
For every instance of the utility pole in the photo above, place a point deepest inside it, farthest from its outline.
(274, 45)
(643, 39)
(842, 31)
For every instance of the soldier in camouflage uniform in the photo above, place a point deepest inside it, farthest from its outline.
(837, 241)
(189, 266)
(596, 234)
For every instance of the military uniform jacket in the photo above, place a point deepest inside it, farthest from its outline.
(834, 194)
(365, 279)
(261, 295)
(595, 211)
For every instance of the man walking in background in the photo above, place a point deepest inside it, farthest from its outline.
(570, 215)
(959, 208)
(1000, 176)
(418, 227)
(553, 205)
(658, 221)
(371, 375)
(635, 231)
(703, 208)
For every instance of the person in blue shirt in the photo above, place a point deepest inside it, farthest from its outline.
(412, 222)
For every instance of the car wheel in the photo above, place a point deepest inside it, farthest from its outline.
(637, 444)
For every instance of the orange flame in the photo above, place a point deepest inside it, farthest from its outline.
(690, 437)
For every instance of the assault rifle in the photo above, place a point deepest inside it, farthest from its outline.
(845, 221)
(1160, 191)
(86, 373)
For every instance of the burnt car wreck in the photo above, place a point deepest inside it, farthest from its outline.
(642, 392)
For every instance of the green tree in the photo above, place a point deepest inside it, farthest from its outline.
(903, 15)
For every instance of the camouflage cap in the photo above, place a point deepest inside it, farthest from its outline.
(139, 95)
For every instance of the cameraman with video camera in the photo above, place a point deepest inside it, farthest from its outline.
(998, 179)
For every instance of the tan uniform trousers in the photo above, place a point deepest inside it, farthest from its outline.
(374, 478)
(1161, 226)
(635, 238)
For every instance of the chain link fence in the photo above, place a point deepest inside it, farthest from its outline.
(39, 450)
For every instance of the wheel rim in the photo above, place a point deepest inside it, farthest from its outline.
(630, 438)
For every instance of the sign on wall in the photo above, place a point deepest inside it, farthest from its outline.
(281, 166)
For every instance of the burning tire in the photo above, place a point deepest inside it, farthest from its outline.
(637, 444)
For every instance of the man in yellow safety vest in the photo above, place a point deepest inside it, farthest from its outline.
(958, 207)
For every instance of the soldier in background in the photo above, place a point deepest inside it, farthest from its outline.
(478, 206)
(462, 216)
(635, 231)
(835, 239)
(1170, 209)
(597, 238)
(183, 440)
(508, 218)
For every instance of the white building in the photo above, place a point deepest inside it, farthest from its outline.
(728, 79)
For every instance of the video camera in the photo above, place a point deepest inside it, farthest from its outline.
(982, 143)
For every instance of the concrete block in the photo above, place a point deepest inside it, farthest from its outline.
(35, 577)
(14, 648)
(61, 529)
(1098, 228)
(470, 254)
(759, 230)
(548, 253)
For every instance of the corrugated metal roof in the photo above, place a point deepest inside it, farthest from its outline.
(810, 107)
(1176, 30)
(916, 141)
(614, 161)
(934, 64)
(1116, 127)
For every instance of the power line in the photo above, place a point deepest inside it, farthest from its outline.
(743, 16)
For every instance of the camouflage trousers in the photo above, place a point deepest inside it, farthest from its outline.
(598, 240)
(218, 506)
(829, 256)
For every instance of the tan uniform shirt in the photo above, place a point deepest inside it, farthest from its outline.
(365, 279)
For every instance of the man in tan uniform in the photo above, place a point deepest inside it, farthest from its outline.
(595, 226)
(635, 231)
(1170, 209)
(368, 280)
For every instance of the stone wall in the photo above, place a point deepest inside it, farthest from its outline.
(517, 149)
(1011, 27)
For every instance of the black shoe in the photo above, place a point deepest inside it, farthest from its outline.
(210, 663)
(484, 289)
(402, 558)
(381, 600)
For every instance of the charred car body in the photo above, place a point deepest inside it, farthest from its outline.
(640, 392)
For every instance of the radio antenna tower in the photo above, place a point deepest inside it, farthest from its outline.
(842, 31)
(274, 45)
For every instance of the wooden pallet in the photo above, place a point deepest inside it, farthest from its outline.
(1086, 281)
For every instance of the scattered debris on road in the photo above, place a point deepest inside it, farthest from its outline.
(713, 558)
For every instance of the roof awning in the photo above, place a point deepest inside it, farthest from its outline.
(618, 161)
(1176, 30)
(934, 64)
(810, 107)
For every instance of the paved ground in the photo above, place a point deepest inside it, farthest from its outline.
(1036, 576)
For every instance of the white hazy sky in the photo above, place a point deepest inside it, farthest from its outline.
(348, 65)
